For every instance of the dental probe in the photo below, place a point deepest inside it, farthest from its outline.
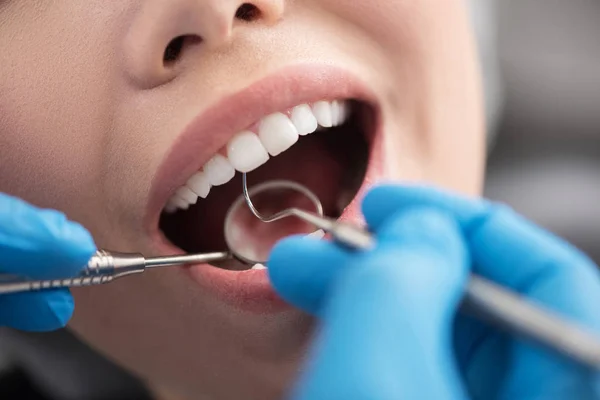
(106, 266)
(483, 299)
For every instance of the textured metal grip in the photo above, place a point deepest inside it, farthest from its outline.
(32, 286)
(71, 282)
(99, 270)
(101, 263)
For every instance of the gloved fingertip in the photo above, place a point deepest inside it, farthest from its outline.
(37, 311)
(425, 226)
(62, 307)
(69, 234)
(42, 244)
(384, 199)
(301, 270)
(287, 252)
(79, 237)
(373, 197)
(68, 245)
(80, 246)
(422, 255)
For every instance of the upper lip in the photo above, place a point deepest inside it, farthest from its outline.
(212, 128)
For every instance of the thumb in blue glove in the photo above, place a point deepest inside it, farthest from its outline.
(39, 244)
(387, 314)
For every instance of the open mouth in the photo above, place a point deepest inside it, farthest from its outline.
(312, 124)
(322, 145)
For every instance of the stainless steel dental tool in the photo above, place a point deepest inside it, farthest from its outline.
(483, 299)
(106, 266)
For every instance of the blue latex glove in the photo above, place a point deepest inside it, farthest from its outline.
(390, 328)
(39, 244)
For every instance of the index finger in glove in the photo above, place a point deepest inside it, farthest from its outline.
(303, 270)
(40, 244)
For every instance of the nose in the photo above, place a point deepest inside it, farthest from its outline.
(163, 31)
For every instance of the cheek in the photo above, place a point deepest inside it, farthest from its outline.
(51, 139)
(54, 110)
(433, 96)
(43, 152)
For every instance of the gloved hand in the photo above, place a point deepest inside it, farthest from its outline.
(389, 324)
(39, 244)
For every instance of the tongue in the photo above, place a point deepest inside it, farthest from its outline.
(310, 162)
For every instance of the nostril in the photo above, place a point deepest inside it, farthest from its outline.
(173, 50)
(247, 12)
(176, 47)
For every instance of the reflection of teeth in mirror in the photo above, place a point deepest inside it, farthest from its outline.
(259, 266)
(320, 234)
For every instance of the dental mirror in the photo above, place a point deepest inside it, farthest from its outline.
(248, 237)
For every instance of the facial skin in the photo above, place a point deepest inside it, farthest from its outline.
(88, 112)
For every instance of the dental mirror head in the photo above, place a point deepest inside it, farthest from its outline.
(250, 234)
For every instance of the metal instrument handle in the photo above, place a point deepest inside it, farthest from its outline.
(99, 270)
(509, 311)
(32, 286)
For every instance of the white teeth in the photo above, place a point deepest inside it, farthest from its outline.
(219, 170)
(246, 152)
(179, 202)
(199, 184)
(170, 208)
(186, 194)
(335, 113)
(277, 133)
(322, 111)
(258, 266)
(304, 120)
(320, 234)
(339, 112)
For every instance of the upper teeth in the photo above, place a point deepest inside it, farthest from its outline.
(248, 150)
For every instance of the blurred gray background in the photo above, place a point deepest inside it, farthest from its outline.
(544, 104)
(541, 62)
